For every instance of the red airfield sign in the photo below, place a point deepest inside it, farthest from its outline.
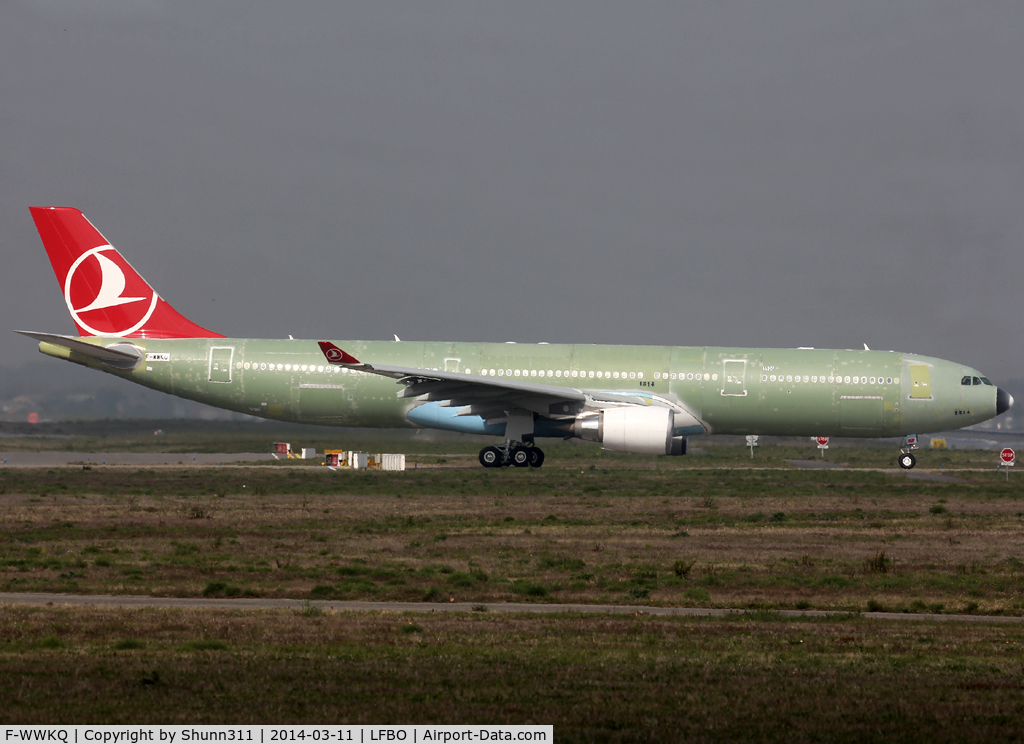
(822, 441)
(1006, 455)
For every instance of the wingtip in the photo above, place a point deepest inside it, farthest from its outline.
(335, 355)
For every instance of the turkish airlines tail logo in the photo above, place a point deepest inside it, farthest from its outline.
(111, 286)
(91, 299)
(104, 294)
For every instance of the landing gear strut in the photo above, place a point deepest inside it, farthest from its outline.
(516, 454)
(906, 459)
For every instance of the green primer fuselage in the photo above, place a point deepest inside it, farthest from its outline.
(731, 390)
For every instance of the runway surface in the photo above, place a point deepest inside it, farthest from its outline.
(215, 459)
(107, 600)
(53, 459)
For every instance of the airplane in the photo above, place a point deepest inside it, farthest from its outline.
(641, 399)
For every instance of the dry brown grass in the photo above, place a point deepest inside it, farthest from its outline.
(749, 539)
(766, 539)
(608, 678)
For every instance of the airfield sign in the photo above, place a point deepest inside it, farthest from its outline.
(822, 445)
(1006, 458)
(752, 442)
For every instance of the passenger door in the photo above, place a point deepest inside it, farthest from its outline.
(220, 363)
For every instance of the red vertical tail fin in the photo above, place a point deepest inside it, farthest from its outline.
(104, 294)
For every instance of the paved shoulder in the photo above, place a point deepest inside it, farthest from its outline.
(817, 465)
(265, 603)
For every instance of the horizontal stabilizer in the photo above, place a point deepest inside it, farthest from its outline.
(123, 357)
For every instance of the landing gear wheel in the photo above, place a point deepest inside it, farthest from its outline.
(536, 457)
(520, 457)
(490, 457)
(907, 461)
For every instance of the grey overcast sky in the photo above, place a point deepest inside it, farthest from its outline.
(726, 173)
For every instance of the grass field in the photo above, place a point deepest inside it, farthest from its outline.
(750, 678)
(590, 527)
(846, 540)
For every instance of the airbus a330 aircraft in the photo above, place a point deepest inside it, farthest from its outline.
(644, 399)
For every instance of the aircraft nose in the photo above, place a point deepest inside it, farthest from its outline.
(1004, 401)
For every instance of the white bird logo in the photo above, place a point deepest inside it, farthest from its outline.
(112, 284)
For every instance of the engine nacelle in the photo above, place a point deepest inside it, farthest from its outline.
(640, 429)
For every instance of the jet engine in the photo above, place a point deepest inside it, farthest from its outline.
(640, 429)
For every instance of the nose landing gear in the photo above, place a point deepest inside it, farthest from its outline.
(516, 454)
(906, 459)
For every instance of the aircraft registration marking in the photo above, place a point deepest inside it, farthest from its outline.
(154, 356)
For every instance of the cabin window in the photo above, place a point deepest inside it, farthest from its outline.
(976, 380)
(965, 380)
(985, 381)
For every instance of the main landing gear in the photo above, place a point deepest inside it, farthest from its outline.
(512, 453)
(906, 459)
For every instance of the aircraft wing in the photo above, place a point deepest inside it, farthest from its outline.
(492, 398)
(488, 397)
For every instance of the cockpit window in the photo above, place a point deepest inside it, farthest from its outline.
(965, 380)
(977, 380)
(985, 380)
